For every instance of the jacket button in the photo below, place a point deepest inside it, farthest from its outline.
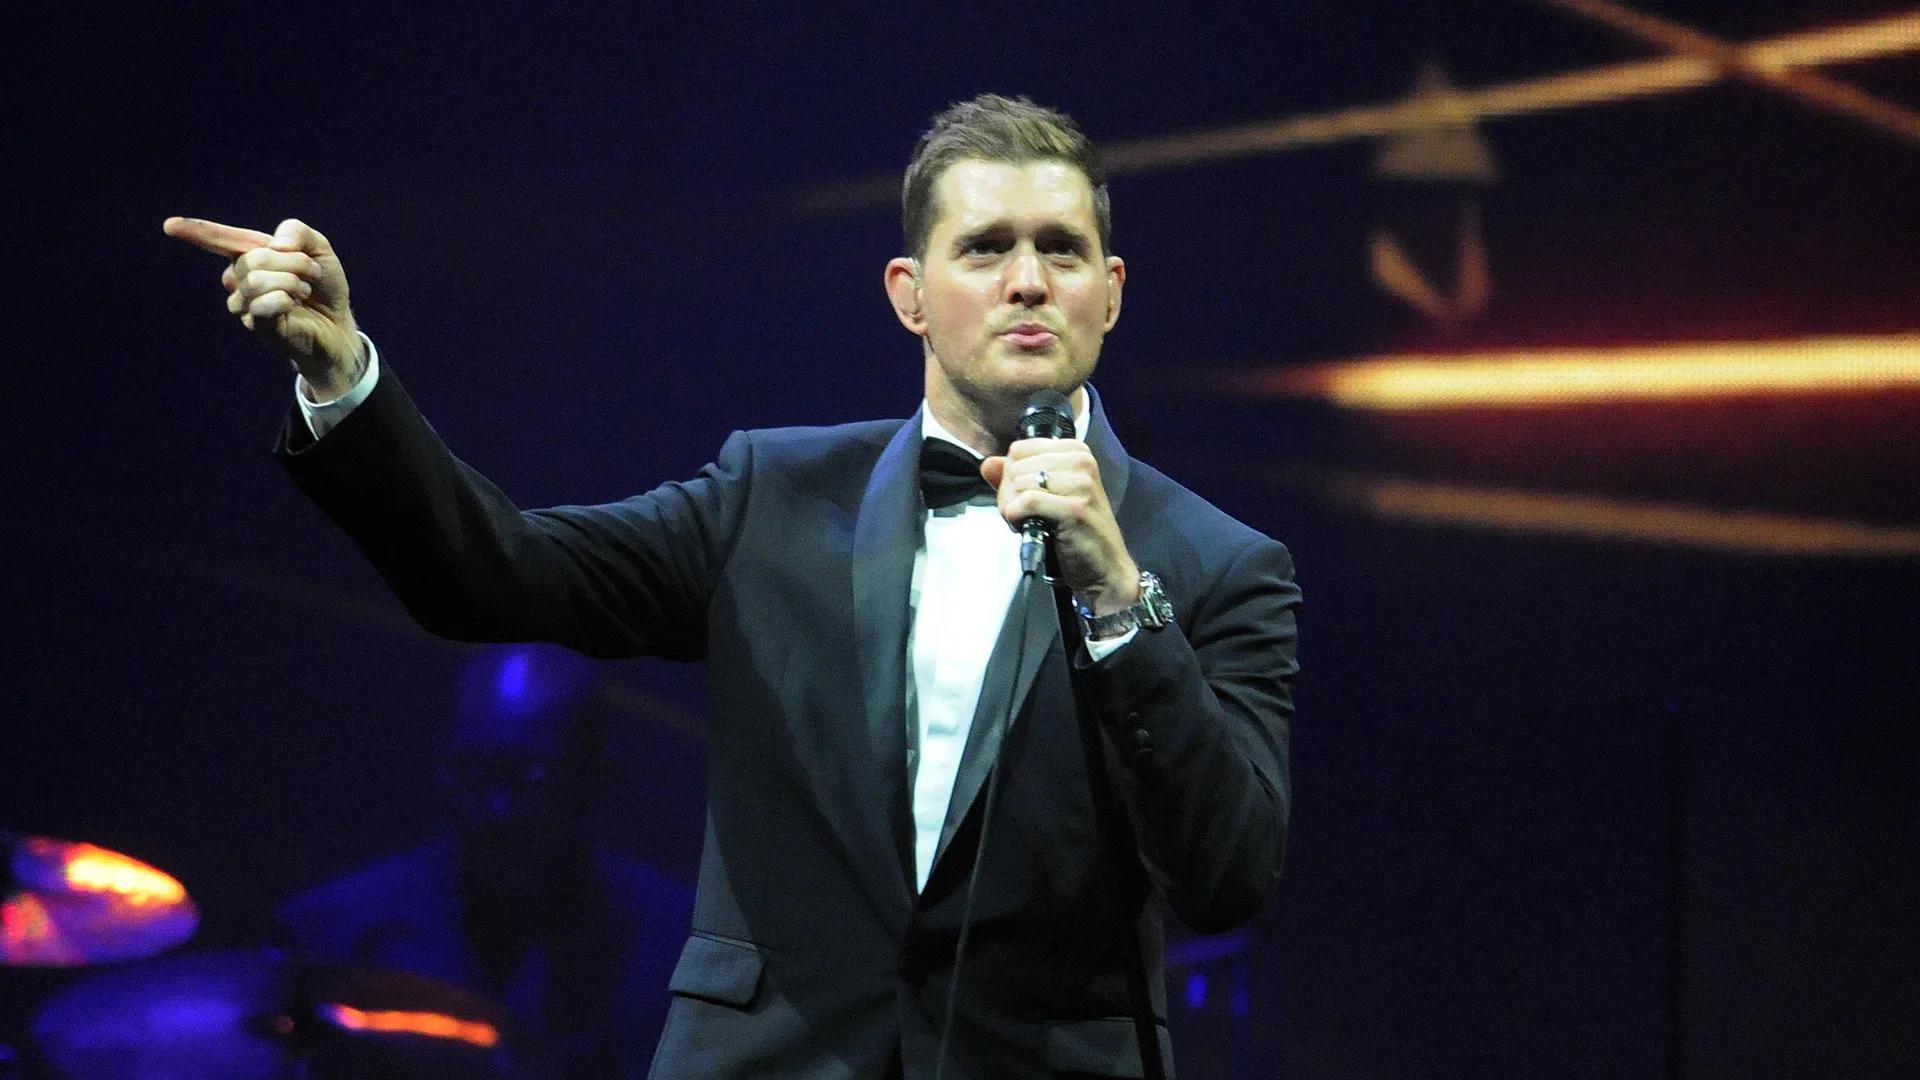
(1142, 738)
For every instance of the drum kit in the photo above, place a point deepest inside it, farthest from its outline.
(217, 1015)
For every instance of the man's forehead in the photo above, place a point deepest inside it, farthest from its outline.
(972, 193)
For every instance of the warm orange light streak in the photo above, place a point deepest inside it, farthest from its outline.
(1810, 87)
(1892, 35)
(1889, 36)
(1817, 48)
(432, 1025)
(92, 869)
(1704, 528)
(1554, 377)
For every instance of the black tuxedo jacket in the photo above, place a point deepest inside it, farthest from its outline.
(785, 565)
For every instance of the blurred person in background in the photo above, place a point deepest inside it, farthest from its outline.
(515, 900)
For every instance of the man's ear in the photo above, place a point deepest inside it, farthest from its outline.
(903, 290)
(1116, 284)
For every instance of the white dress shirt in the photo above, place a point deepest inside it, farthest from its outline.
(964, 577)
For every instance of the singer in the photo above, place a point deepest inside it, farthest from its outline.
(852, 591)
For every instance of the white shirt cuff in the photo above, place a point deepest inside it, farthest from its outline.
(324, 417)
(1100, 650)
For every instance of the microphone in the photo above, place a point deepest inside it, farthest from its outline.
(1048, 415)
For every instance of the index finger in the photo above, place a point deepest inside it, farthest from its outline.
(1026, 448)
(226, 241)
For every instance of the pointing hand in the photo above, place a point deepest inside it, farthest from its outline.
(289, 289)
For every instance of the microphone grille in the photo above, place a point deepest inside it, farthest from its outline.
(1049, 415)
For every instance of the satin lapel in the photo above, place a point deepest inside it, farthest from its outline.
(1115, 467)
(1028, 634)
(886, 538)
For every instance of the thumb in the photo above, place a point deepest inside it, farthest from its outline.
(992, 469)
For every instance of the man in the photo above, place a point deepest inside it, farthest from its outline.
(864, 651)
(517, 903)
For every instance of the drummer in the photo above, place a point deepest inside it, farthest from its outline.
(515, 901)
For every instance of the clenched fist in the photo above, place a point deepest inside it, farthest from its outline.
(1058, 481)
(289, 289)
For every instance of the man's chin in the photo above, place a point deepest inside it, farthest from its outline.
(1025, 371)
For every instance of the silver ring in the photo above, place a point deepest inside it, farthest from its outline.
(1042, 479)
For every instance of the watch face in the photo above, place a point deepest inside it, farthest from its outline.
(1158, 611)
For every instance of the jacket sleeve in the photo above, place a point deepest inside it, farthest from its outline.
(1198, 716)
(621, 579)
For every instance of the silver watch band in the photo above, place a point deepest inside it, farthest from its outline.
(1151, 611)
(1107, 627)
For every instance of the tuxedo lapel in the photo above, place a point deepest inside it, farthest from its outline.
(1030, 632)
(886, 538)
(1115, 466)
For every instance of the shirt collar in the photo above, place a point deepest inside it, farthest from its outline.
(934, 429)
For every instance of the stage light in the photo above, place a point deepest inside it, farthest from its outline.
(394, 1022)
(1745, 532)
(1555, 377)
(1890, 35)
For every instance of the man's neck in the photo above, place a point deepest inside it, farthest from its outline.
(989, 433)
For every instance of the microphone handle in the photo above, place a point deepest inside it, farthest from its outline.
(1049, 416)
(1034, 540)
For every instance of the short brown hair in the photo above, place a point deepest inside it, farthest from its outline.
(1011, 131)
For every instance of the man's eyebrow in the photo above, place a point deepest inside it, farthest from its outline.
(993, 231)
(1052, 234)
(1066, 236)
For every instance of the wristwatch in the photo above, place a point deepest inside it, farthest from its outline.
(1152, 611)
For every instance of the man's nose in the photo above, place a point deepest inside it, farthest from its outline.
(1027, 280)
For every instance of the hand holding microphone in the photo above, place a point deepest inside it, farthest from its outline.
(1050, 492)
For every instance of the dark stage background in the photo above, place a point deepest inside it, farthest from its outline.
(1605, 806)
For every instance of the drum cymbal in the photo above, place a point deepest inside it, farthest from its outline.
(212, 1016)
(69, 904)
(252, 1015)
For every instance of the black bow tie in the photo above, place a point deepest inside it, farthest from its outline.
(949, 475)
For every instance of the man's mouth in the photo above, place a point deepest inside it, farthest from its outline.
(1030, 336)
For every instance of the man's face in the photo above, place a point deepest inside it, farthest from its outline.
(1013, 294)
(513, 808)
